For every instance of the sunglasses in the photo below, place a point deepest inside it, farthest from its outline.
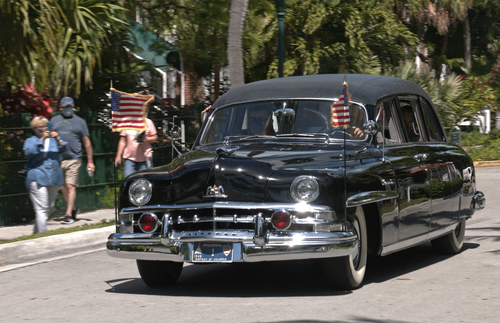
(258, 119)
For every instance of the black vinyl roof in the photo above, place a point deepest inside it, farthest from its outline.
(365, 89)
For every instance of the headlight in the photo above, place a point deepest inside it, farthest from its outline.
(304, 189)
(140, 191)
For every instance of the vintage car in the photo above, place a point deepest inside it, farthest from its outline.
(279, 172)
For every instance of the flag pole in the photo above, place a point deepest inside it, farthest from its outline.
(346, 97)
(114, 182)
(114, 168)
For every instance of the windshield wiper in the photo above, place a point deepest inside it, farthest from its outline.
(239, 138)
(307, 135)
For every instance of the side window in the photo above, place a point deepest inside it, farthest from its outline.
(434, 130)
(386, 125)
(408, 112)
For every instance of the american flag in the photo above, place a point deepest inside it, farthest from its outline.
(128, 111)
(340, 109)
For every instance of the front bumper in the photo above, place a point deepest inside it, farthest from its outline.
(249, 245)
(294, 246)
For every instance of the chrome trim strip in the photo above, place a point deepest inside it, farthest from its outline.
(165, 230)
(259, 236)
(231, 236)
(298, 207)
(411, 242)
(370, 197)
(275, 99)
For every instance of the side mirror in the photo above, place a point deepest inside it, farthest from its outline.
(370, 127)
(284, 120)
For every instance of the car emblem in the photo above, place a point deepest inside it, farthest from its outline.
(215, 191)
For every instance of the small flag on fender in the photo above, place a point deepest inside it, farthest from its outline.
(129, 111)
(340, 109)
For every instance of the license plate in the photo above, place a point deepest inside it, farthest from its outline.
(212, 252)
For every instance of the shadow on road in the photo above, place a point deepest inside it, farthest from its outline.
(280, 279)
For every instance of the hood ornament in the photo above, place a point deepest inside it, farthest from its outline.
(215, 192)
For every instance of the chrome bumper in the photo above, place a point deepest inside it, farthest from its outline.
(277, 246)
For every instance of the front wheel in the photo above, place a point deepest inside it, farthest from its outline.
(451, 243)
(159, 273)
(348, 272)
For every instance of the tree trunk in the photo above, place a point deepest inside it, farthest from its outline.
(442, 52)
(234, 48)
(467, 44)
(216, 81)
(497, 119)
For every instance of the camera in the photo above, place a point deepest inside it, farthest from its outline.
(140, 136)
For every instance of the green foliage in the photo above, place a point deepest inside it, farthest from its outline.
(490, 151)
(480, 146)
(260, 28)
(336, 37)
(56, 43)
(475, 138)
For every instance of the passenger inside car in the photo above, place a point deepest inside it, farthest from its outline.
(409, 123)
(387, 133)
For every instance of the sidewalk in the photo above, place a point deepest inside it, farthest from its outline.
(94, 217)
(24, 252)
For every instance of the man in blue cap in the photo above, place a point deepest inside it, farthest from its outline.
(72, 129)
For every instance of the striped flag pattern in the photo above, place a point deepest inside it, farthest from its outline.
(128, 111)
(340, 109)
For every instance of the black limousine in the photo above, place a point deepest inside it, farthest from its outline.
(328, 167)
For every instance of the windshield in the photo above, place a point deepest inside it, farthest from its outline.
(282, 118)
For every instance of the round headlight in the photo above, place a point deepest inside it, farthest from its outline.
(304, 189)
(140, 191)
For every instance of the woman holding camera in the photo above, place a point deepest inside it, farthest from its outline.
(44, 171)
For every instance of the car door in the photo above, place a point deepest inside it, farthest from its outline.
(410, 175)
(415, 181)
(445, 174)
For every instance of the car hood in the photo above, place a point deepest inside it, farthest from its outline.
(248, 173)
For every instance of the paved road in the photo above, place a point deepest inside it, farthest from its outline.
(416, 285)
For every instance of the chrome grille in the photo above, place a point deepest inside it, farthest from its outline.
(217, 216)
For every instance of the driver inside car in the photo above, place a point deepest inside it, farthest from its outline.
(259, 118)
(260, 121)
(353, 131)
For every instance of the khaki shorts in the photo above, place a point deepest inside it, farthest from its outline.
(70, 170)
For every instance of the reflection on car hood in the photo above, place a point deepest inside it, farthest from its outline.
(244, 172)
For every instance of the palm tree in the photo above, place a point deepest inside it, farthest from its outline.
(440, 14)
(25, 26)
(87, 26)
(55, 43)
(237, 16)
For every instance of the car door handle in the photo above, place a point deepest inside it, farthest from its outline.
(421, 157)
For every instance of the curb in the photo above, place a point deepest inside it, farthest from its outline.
(487, 163)
(22, 251)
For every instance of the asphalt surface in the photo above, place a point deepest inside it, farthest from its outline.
(24, 253)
